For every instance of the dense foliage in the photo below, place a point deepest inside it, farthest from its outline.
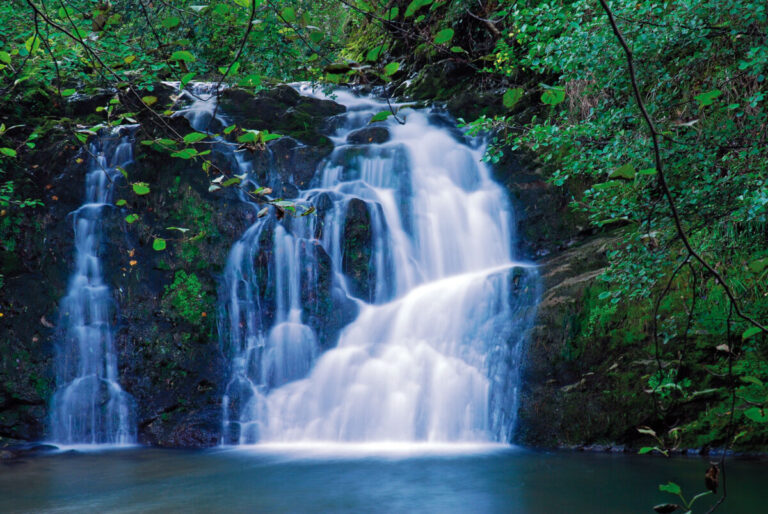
(701, 72)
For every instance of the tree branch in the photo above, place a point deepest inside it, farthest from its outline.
(662, 178)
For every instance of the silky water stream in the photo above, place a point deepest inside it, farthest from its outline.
(438, 304)
(89, 406)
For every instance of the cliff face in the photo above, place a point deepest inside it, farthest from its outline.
(573, 392)
(166, 335)
(169, 355)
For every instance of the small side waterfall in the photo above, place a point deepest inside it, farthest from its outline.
(410, 252)
(89, 406)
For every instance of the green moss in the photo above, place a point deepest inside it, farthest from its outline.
(187, 298)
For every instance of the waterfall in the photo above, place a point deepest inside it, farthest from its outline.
(411, 251)
(89, 406)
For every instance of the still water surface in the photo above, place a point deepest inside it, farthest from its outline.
(391, 479)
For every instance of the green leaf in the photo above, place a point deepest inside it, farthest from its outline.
(266, 137)
(182, 55)
(645, 449)
(752, 380)
(604, 295)
(32, 44)
(391, 68)
(149, 100)
(194, 137)
(512, 96)
(10, 152)
(414, 6)
(68, 92)
(229, 129)
(391, 14)
(5, 57)
(316, 36)
(158, 244)
(187, 153)
(250, 136)
(380, 116)
(553, 95)
(750, 332)
(186, 78)
(444, 36)
(171, 22)
(758, 265)
(606, 185)
(251, 80)
(671, 488)
(141, 188)
(708, 98)
(625, 172)
(647, 171)
(230, 182)
(757, 414)
(131, 218)
(288, 14)
(457, 49)
(129, 59)
(182, 230)
(120, 202)
(374, 53)
(229, 69)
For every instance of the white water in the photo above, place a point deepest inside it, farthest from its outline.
(431, 355)
(89, 406)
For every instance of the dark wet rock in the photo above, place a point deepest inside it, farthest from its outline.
(357, 242)
(164, 93)
(368, 135)
(281, 110)
(562, 399)
(545, 223)
(452, 83)
(20, 451)
(83, 105)
(318, 108)
(327, 307)
(296, 163)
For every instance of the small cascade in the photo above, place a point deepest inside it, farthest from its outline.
(89, 406)
(410, 256)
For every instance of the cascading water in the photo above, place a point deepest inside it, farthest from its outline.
(89, 406)
(417, 239)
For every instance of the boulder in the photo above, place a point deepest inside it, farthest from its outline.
(356, 248)
(369, 135)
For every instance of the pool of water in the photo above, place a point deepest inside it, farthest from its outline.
(363, 479)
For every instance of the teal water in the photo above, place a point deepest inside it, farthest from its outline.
(316, 480)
